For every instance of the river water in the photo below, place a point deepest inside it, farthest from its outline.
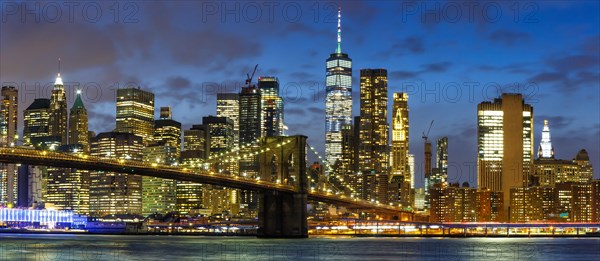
(130, 247)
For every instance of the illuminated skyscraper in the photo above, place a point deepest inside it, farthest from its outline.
(250, 128)
(338, 100)
(195, 150)
(8, 115)
(78, 124)
(67, 188)
(158, 194)
(346, 166)
(135, 113)
(546, 150)
(167, 131)
(427, 171)
(110, 192)
(8, 137)
(58, 111)
(272, 106)
(373, 151)
(411, 164)
(228, 105)
(36, 122)
(440, 173)
(505, 144)
(220, 139)
(400, 165)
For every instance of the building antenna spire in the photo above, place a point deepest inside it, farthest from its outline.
(59, 80)
(339, 31)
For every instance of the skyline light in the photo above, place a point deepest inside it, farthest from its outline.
(408, 47)
(439, 126)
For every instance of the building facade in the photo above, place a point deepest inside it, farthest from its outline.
(505, 138)
(400, 166)
(78, 124)
(135, 113)
(195, 151)
(373, 151)
(228, 105)
(338, 99)
(272, 107)
(58, 112)
(116, 193)
(8, 137)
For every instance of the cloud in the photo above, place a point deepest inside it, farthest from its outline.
(555, 122)
(410, 45)
(572, 71)
(436, 67)
(403, 74)
(508, 37)
(178, 82)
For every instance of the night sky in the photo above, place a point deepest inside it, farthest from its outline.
(448, 56)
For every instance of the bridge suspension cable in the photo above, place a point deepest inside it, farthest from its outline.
(345, 187)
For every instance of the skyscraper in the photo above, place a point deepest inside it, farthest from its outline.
(195, 150)
(373, 151)
(250, 127)
(400, 168)
(440, 175)
(67, 188)
(427, 171)
(546, 150)
(158, 194)
(110, 192)
(505, 144)
(36, 122)
(220, 139)
(8, 115)
(167, 131)
(8, 137)
(135, 113)
(58, 111)
(338, 100)
(78, 124)
(272, 106)
(228, 105)
(250, 130)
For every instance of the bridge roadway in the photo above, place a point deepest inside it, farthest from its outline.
(16, 155)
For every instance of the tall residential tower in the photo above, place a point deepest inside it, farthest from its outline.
(373, 149)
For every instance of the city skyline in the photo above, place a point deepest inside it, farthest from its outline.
(461, 128)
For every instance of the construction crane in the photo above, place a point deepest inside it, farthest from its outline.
(426, 135)
(249, 79)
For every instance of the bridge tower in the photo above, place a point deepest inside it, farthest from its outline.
(283, 214)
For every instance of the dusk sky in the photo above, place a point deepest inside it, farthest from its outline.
(449, 56)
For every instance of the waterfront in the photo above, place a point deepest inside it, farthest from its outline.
(119, 247)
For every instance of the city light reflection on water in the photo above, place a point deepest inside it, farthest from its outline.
(117, 247)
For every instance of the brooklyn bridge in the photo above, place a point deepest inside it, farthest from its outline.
(283, 192)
